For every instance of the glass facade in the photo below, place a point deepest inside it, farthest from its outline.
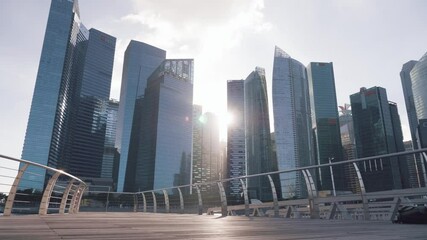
(325, 124)
(236, 162)
(43, 119)
(163, 153)
(349, 147)
(140, 61)
(409, 99)
(109, 159)
(259, 157)
(197, 145)
(63, 96)
(405, 76)
(419, 87)
(375, 124)
(292, 122)
(206, 149)
(90, 119)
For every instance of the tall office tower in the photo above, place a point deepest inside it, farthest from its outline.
(376, 128)
(210, 147)
(259, 157)
(349, 147)
(325, 125)
(109, 160)
(415, 174)
(197, 145)
(223, 169)
(206, 149)
(69, 63)
(140, 62)
(419, 89)
(405, 77)
(88, 125)
(292, 122)
(236, 162)
(163, 155)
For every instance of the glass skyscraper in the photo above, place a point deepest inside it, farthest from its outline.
(378, 131)
(349, 147)
(405, 77)
(110, 159)
(236, 162)
(292, 122)
(417, 165)
(140, 61)
(325, 124)
(419, 89)
(163, 153)
(73, 80)
(259, 157)
(206, 163)
(89, 121)
(197, 175)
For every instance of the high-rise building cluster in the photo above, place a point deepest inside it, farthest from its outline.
(155, 137)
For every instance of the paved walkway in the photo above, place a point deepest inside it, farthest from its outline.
(176, 226)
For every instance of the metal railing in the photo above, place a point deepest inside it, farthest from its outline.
(59, 191)
(212, 198)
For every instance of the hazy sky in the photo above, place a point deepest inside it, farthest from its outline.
(367, 40)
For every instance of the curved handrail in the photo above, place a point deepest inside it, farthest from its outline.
(71, 193)
(311, 188)
(42, 166)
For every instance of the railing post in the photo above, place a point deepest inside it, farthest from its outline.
(65, 197)
(12, 193)
(273, 192)
(135, 203)
(199, 196)
(154, 202)
(80, 192)
(312, 194)
(44, 204)
(74, 199)
(145, 202)
(223, 197)
(167, 207)
(366, 214)
(181, 200)
(245, 196)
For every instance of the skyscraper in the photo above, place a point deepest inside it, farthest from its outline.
(257, 136)
(292, 121)
(90, 103)
(206, 149)
(163, 153)
(349, 147)
(110, 161)
(73, 80)
(413, 69)
(405, 77)
(140, 62)
(197, 175)
(236, 162)
(419, 87)
(325, 123)
(376, 132)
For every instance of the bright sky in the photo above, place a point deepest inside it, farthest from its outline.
(367, 40)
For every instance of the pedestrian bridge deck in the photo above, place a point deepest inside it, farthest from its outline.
(186, 226)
